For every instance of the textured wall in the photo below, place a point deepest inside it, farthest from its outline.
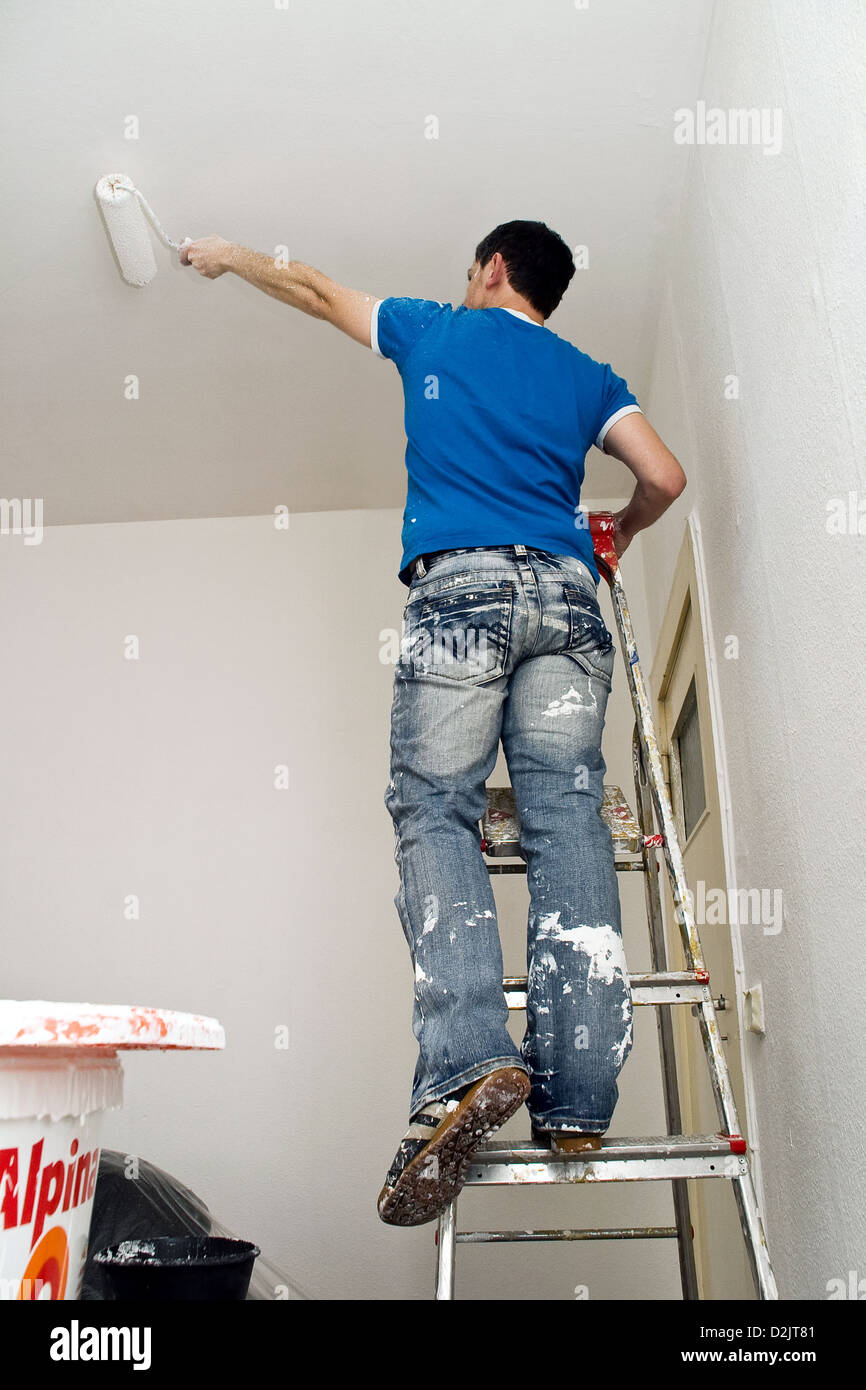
(765, 282)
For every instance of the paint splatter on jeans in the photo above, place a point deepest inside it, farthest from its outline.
(509, 643)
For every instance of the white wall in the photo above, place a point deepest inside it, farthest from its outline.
(318, 137)
(155, 777)
(766, 282)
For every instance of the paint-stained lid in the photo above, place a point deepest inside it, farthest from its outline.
(38, 1023)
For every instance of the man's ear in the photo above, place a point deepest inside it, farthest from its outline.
(494, 273)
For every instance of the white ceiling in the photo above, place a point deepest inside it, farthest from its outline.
(305, 126)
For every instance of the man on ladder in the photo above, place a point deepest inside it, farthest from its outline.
(503, 638)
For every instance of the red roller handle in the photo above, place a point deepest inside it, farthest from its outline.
(601, 526)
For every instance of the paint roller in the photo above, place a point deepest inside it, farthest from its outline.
(123, 207)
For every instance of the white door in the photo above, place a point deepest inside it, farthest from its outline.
(682, 701)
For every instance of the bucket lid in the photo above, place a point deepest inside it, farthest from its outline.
(32, 1023)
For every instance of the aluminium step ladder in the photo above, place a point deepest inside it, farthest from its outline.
(674, 1157)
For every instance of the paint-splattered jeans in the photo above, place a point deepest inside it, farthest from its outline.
(509, 642)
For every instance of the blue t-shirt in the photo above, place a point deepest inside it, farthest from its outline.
(499, 415)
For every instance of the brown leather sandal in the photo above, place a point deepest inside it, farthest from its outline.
(428, 1169)
(567, 1141)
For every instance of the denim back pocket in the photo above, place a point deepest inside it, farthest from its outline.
(589, 642)
(459, 634)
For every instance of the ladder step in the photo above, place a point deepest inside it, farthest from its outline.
(500, 825)
(662, 987)
(606, 1233)
(623, 863)
(625, 1159)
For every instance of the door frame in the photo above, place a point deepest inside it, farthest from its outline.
(689, 582)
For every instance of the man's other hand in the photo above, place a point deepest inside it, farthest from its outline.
(660, 478)
(209, 255)
(621, 537)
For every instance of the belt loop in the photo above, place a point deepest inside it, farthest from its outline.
(420, 569)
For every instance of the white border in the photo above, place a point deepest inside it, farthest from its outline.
(617, 415)
(518, 314)
(374, 328)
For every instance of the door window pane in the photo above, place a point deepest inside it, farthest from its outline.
(687, 751)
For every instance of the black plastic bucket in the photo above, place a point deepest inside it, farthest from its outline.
(173, 1268)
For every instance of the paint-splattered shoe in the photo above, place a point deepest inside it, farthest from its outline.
(428, 1169)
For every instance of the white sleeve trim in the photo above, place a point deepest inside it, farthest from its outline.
(374, 329)
(617, 415)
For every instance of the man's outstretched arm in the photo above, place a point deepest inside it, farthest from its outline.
(301, 286)
(660, 479)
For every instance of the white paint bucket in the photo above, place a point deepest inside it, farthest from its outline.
(59, 1072)
(51, 1108)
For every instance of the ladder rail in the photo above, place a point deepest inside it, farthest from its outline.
(676, 1158)
(722, 1090)
(446, 1234)
(747, 1203)
(664, 1022)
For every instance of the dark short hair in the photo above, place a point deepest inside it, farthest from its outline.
(539, 263)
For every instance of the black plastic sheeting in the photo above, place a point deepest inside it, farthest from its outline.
(134, 1200)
